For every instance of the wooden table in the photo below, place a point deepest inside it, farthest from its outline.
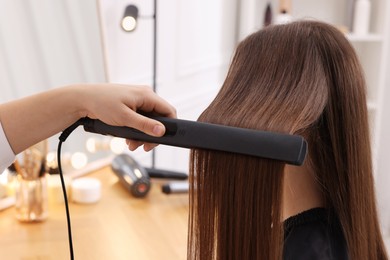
(119, 226)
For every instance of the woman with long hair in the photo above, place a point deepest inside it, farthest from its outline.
(300, 78)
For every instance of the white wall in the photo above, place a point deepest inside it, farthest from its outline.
(383, 165)
(47, 43)
(196, 40)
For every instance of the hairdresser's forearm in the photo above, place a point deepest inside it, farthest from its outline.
(35, 118)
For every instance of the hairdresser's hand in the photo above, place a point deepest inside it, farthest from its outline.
(116, 105)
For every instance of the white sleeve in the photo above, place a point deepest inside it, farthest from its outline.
(7, 156)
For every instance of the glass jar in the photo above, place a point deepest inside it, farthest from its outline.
(31, 199)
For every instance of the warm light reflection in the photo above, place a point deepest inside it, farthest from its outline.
(91, 145)
(51, 160)
(117, 145)
(79, 160)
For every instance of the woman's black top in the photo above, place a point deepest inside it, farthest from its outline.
(314, 234)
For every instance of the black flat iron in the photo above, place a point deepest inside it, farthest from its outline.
(290, 149)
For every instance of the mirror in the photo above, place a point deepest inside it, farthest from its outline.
(56, 43)
(50, 44)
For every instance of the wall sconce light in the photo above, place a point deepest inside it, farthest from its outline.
(129, 24)
(130, 17)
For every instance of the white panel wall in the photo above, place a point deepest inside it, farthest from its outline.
(383, 151)
(195, 43)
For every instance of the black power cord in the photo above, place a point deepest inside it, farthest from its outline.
(62, 138)
(65, 199)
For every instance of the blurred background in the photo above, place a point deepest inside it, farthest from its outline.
(183, 50)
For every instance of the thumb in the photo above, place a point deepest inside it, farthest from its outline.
(147, 125)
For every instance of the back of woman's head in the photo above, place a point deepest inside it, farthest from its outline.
(300, 78)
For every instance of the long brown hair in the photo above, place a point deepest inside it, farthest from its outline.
(299, 78)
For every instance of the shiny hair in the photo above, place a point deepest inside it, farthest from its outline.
(298, 78)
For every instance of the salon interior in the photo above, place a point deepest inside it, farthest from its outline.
(135, 205)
